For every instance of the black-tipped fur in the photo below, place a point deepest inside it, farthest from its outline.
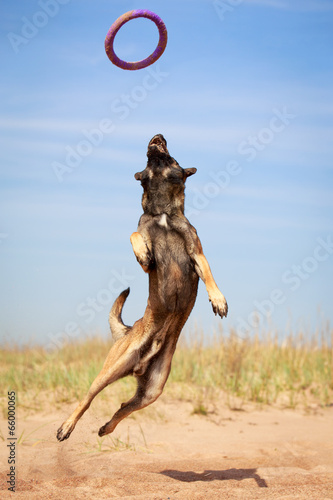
(168, 248)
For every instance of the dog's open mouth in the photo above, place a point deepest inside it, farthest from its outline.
(157, 146)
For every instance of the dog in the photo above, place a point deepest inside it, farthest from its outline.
(168, 248)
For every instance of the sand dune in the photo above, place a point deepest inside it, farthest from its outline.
(170, 454)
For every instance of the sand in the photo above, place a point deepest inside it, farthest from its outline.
(168, 453)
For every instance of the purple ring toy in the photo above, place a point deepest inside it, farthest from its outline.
(133, 14)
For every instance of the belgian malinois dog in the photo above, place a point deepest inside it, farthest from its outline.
(168, 248)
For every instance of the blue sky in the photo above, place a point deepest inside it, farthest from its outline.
(243, 92)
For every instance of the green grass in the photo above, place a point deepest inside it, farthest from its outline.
(260, 370)
(296, 372)
(109, 444)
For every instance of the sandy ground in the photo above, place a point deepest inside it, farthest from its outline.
(167, 453)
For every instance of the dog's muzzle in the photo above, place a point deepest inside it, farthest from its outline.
(157, 147)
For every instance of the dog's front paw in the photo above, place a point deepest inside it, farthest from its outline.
(141, 251)
(65, 431)
(145, 260)
(219, 304)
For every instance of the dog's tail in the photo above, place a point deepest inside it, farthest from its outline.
(118, 329)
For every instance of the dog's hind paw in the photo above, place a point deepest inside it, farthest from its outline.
(65, 431)
(105, 429)
(102, 432)
(219, 305)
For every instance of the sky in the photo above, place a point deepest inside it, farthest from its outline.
(243, 92)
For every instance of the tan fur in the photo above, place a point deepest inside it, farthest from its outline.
(168, 248)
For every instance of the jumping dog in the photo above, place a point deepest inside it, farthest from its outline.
(168, 248)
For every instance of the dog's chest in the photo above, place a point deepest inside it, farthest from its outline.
(163, 221)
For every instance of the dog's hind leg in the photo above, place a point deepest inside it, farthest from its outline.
(68, 426)
(150, 387)
(120, 362)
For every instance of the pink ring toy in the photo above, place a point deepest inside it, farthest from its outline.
(133, 14)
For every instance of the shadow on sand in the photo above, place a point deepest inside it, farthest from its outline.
(216, 475)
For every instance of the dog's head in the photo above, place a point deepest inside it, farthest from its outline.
(163, 180)
(157, 147)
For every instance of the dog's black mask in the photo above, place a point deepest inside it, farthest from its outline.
(157, 147)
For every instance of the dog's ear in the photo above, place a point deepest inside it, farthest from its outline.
(189, 171)
(138, 176)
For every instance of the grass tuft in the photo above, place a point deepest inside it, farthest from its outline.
(262, 370)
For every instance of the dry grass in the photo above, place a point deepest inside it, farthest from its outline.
(261, 370)
(298, 371)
